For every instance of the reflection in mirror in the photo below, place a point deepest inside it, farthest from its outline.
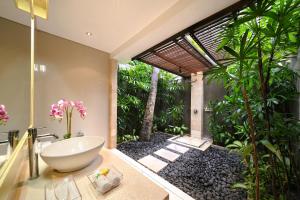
(14, 84)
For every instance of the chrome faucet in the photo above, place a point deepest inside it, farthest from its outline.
(32, 151)
(13, 138)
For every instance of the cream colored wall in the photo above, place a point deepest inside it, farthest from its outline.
(14, 75)
(73, 72)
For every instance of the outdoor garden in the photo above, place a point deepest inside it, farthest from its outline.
(257, 121)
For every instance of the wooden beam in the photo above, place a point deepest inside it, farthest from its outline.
(168, 70)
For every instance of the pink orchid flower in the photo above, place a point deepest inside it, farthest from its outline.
(3, 115)
(64, 107)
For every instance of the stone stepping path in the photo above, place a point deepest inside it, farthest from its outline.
(166, 154)
(153, 163)
(195, 170)
(178, 148)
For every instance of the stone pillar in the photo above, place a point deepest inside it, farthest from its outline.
(187, 103)
(197, 104)
(113, 86)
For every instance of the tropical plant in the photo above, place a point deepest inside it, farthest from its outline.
(169, 102)
(134, 83)
(147, 125)
(255, 115)
(177, 130)
(127, 137)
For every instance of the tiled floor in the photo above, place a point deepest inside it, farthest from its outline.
(174, 192)
(166, 154)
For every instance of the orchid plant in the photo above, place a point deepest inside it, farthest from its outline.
(3, 115)
(64, 107)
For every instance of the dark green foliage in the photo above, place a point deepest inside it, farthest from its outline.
(134, 82)
(176, 130)
(133, 88)
(260, 43)
(228, 116)
(169, 101)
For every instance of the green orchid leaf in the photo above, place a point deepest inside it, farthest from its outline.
(272, 148)
(231, 51)
(239, 185)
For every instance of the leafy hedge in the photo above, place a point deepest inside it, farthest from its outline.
(134, 83)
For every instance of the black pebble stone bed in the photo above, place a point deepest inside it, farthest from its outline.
(205, 175)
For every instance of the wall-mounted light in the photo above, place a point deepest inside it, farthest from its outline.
(89, 34)
(40, 68)
(40, 7)
(43, 68)
(36, 67)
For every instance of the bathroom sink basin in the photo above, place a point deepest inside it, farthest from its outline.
(72, 154)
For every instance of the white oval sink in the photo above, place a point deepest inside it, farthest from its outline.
(72, 154)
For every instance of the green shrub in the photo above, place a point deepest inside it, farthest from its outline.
(134, 82)
(177, 130)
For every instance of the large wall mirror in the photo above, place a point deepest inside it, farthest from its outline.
(14, 85)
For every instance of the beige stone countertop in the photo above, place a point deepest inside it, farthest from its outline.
(134, 185)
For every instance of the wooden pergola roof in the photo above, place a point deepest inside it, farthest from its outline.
(177, 55)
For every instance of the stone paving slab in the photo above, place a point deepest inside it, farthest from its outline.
(197, 142)
(205, 146)
(166, 154)
(178, 148)
(153, 163)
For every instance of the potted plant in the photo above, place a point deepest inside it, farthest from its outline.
(65, 108)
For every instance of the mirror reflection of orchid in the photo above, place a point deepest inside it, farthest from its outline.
(64, 107)
(3, 115)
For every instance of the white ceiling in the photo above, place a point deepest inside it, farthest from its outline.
(122, 28)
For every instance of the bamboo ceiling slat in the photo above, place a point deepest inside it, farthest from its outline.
(178, 56)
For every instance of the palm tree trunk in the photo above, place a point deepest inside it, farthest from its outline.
(146, 130)
(253, 141)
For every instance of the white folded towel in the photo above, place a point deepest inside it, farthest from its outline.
(114, 178)
(103, 184)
